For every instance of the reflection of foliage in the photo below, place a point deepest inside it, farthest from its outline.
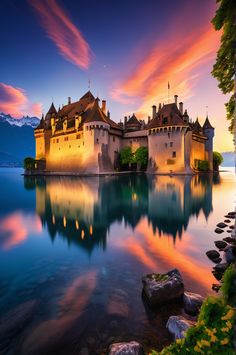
(29, 183)
(214, 331)
(29, 163)
(217, 160)
(223, 69)
(141, 156)
(201, 165)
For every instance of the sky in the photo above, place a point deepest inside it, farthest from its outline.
(127, 50)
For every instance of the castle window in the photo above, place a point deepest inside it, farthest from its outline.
(97, 140)
(165, 120)
(130, 142)
(66, 139)
(78, 136)
(173, 154)
(168, 135)
(114, 139)
(57, 140)
(166, 145)
(171, 144)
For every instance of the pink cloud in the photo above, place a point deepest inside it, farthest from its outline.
(15, 102)
(66, 36)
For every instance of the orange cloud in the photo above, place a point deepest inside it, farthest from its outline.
(66, 36)
(178, 57)
(16, 228)
(15, 102)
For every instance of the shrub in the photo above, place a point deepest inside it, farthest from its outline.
(217, 160)
(141, 156)
(126, 156)
(201, 165)
(29, 163)
(228, 287)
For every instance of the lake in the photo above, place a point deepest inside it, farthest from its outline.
(73, 252)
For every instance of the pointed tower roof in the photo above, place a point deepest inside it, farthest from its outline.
(207, 124)
(133, 121)
(95, 113)
(51, 111)
(88, 96)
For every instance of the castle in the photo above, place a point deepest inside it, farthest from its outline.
(81, 138)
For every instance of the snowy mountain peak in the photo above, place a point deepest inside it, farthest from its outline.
(23, 121)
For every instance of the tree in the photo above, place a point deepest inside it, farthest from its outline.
(225, 67)
(217, 160)
(126, 156)
(29, 163)
(141, 156)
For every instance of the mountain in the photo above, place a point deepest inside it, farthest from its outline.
(16, 143)
(229, 159)
(19, 122)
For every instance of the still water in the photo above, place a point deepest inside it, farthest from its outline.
(73, 252)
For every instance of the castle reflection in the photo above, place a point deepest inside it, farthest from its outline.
(81, 210)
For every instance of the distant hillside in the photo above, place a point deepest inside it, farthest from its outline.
(23, 121)
(16, 143)
(229, 159)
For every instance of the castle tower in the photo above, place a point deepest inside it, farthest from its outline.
(209, 133)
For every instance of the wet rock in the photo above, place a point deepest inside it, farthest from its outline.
(231, 227)
(118, 303)
(131, 348)
(232, 214)
(230, 239)
(213, 254)
(192, 302)
(221, 225)
(161, 288)
(217, 260)
(84, 351)
(229, 231)
(14, 321)
(220, 244)
(227, 220)
(221, 267)
(230, 254)
(216, 287)
(178, 325)
(219, 231)
(218, 275)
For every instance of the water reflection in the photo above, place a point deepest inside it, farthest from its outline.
(82, 210)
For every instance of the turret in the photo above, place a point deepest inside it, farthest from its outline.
(209, 133)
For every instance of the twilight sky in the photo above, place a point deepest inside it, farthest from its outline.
(128, 49)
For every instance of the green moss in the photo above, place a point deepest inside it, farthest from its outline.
(228, 286)
(160, 277)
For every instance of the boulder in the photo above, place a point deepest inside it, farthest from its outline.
(216, 287)
(221, 267)
(219, 231)
(229, 231)
(192, 302)
(227, 220)
(232, 214)
(230, 254)
(231, 227)
(218, 274)
(230, 240)
(178, 325)
(162, 288)
(221, 225)
(220, 244)
(213, 254)
(131, 348)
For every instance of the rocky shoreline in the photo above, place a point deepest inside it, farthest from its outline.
(159, 289)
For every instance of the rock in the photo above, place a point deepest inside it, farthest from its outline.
(178, 325)
(221, 267)
(221, 225)
(218, 275)
(227, 220)
(219, 231)
(213, 254)
(192, 302)
(162, 288)
(230, 254)
(231, 227)
(230, 239)
(232, 214)
(84, 351)
(229, 231)
(131, 348)
(216, 287)
(220, 244)
(118, 303)
(217, 260)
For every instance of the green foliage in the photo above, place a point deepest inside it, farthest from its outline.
(201, 165)
(217, 160)
(212, 334)
(141, 156)
(29, 163)
(224, 68)
(126, 155)
(228, 287)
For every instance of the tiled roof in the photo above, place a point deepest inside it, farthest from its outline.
(133, 121)
(168, 115)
